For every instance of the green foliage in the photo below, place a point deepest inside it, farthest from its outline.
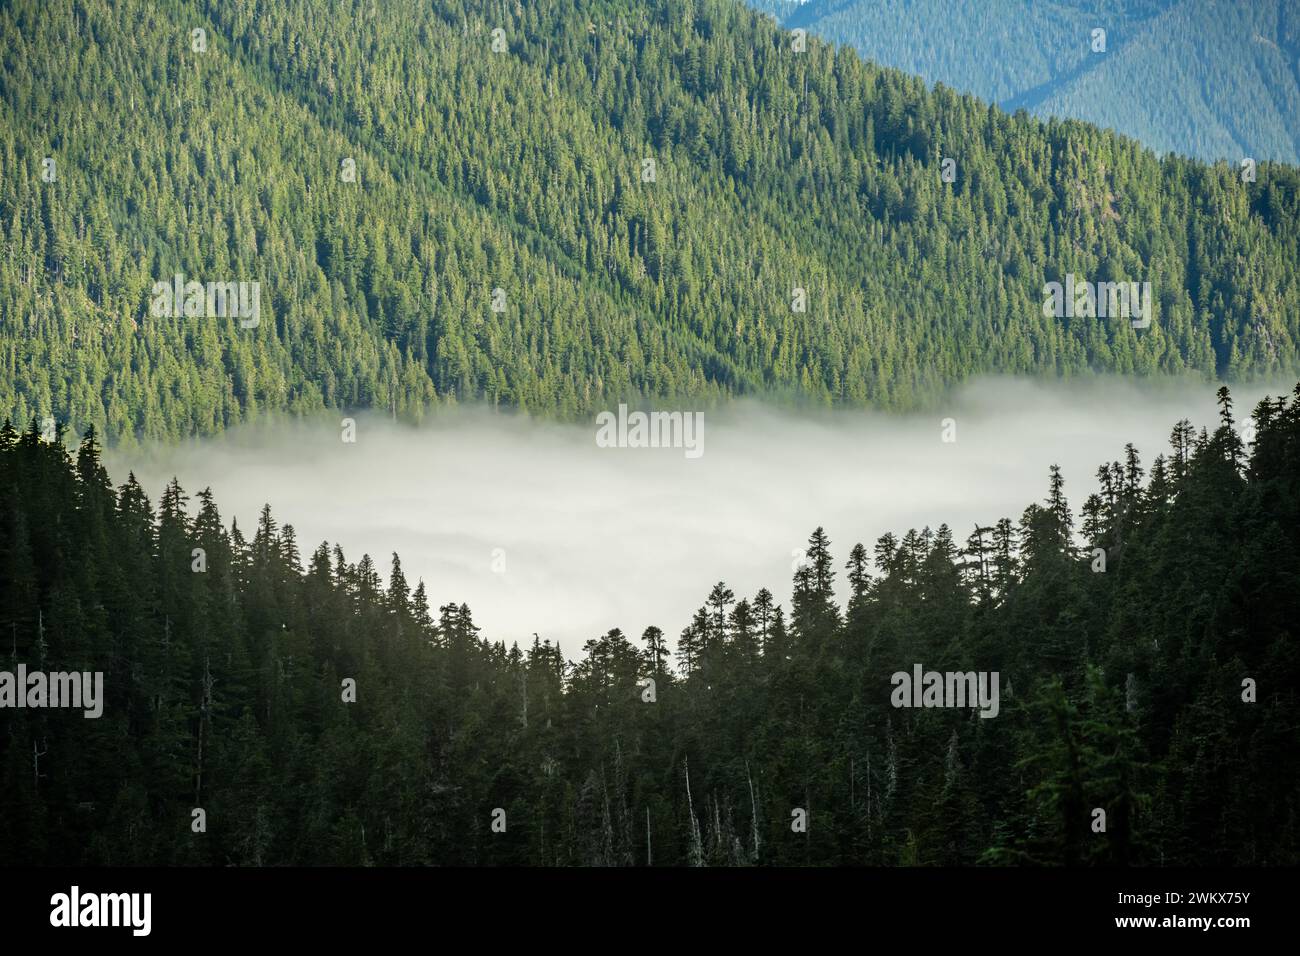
(522, 170)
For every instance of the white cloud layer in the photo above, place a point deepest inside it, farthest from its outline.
(595, 538)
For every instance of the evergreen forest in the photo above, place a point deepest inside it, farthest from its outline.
(1145, 645)
(559, 205)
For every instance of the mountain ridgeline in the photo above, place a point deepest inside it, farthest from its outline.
(556, 206)
(1147, 666)
(1213, 79)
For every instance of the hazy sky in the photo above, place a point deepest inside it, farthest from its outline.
(593, 538)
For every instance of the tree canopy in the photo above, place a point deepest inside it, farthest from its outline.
(557, 206)
(1159, 687)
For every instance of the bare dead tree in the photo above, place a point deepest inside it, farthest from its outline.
(697, 851)
(205, 706)
(753, 807)
(37, 754)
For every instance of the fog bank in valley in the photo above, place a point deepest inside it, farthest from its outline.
(539, 530)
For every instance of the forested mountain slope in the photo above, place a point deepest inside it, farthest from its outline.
(1162, 690)
(500, 240)
(1215, 79)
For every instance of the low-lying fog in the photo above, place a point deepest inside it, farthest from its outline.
(539, 530)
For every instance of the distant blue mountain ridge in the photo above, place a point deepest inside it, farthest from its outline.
(1213, 79)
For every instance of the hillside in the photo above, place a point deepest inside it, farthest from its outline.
(524, 171)
(1215, 79)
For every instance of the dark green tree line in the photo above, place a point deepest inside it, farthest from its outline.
(1122, 690)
